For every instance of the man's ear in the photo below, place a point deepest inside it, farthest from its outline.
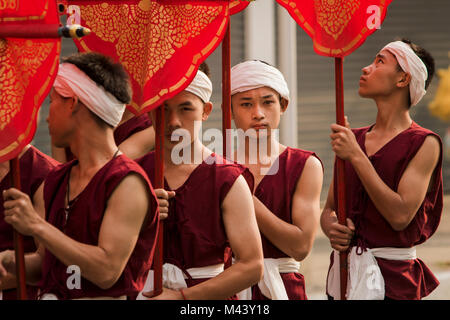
(74, 104)
(405, 80)
(284, 104)
(207, 108)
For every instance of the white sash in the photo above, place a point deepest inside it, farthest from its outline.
(174, 278)
(271, 285)
(365, 281)
(51, 296)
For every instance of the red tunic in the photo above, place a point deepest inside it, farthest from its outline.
(408, 279)
(34, 167)
(194, 233)
(123, 131)
(83, 225)
(276, 193)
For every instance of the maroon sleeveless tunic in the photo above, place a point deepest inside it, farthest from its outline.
(123, 131)
(83, 225)
(276, 193)
(408, 279)
(194, 233)
(34, 167)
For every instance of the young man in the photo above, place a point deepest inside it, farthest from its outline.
(210, 207)
(34, 168)
(287, 191)
(134, 135)
(99, 238)
(393, 183)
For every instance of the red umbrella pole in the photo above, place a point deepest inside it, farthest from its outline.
(341, 210)
(159, 183)
(18, 238)
(226, 91)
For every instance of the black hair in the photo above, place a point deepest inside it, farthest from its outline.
(205, 68)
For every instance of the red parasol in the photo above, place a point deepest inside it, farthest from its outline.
(27, 70)
(161, 44)
(338, 28)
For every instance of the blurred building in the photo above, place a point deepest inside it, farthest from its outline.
(265, 31)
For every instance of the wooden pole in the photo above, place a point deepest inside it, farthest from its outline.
(159, 183)
(341, 210)
(18, 238)
(226, 92)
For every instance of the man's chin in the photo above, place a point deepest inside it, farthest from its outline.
(363, 94)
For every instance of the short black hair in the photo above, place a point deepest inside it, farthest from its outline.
(205, 68)
(105, 72)
(426, 58)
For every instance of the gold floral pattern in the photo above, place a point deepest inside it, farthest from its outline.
(334, 15)
(19, 62)
(157, 29)
(8, 4)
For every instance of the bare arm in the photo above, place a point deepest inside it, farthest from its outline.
(397, 207)
(243, 235)
(32, 260)
(33, 263)
(139, 143)
(295, 239)
(339, 235)
(245, 241)
(119, 231)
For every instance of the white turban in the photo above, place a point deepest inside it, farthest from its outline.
(251, 75)
(201, 86)
(412, 64)
(71, 81)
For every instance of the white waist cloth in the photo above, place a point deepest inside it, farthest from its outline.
(174, 278)
(271, 285)
(365, 281)
(51, 296)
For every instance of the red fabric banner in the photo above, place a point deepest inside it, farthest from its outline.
(160, 43)
(337, 27)
(27, 70)
(237, 6)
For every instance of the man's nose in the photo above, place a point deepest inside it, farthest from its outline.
(366, 69)
(258, 113)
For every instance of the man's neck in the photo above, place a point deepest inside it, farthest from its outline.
(393, 114)
(263, 150)
(93, 149)
(198, 153)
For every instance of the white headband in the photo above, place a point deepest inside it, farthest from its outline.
(250, 75)
(71, 81)
(201, 86)
(412, 64)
